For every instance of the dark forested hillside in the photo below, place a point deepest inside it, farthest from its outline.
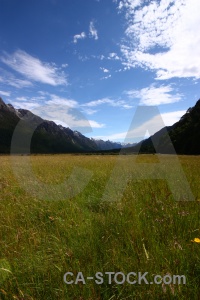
(184, 135)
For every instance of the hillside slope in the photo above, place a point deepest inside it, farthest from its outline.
(184, 135)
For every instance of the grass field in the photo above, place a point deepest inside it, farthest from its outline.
(144, 231)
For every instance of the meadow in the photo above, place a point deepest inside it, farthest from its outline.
(145, 230)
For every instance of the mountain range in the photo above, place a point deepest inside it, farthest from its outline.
(109, 145)
(48, 137)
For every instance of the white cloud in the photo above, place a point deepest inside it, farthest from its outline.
(105, 70)
(113, 103)
(172, 117)
(155, 95)
(34, 69)
(162, 36)
(6, 94)
(80, 36)
(92, 31)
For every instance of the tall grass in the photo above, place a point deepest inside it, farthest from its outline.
(145, 231)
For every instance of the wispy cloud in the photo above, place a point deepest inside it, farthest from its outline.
(34, 69)
(80, 124)
(25, 105)
(98, 102)
(92, 34)
(108, 101)
(162, 36)
(26, 102)
(21, 98)
(101, 57)
(92, 31)
(152, 95)
(45, 99)
(18, 83)
(31, 99)
(106, 71)
(57, 100)
(64, 66)
(80, 36)
(89, 111)
(10, 80)
(6, 94)
(106, 77)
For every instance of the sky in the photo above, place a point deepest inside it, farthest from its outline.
(89, 64)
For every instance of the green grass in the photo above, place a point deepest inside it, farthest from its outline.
(144, 231)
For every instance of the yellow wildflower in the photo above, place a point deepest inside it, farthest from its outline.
(196, 240)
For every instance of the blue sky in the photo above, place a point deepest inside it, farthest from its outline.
(89, 64)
